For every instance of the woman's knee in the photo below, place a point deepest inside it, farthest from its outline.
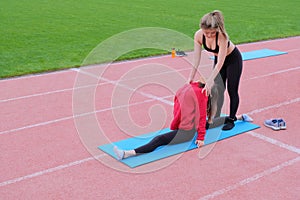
(158, 139)
(234, 96)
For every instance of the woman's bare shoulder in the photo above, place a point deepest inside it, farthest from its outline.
(198, 36)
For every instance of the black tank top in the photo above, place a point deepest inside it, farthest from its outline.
(216, 50)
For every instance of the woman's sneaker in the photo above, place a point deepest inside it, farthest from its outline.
(273, 124)
(246, 118)
(229, 124)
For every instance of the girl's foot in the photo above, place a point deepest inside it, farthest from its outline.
(119, 153)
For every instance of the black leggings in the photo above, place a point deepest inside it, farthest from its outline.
(172, 137)
(230, 71)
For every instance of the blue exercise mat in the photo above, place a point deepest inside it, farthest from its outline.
(212, 135)
(261, 53)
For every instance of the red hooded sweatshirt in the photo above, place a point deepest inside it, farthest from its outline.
(190, 109)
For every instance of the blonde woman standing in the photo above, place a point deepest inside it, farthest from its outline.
(228, 62)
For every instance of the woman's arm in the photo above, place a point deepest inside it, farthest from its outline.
(197, 54)
(201, 104)
(176, 115)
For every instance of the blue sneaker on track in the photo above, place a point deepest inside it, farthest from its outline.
(275, 124)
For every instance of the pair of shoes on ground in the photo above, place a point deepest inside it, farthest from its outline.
(180, 53)
(276, 124)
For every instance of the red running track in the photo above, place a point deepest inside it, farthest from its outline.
(46, 155)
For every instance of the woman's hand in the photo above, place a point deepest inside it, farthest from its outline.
(199, 143)
(208, 85)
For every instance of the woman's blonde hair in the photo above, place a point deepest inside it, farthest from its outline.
(214, 20)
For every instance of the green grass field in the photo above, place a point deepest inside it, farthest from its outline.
(39, 35)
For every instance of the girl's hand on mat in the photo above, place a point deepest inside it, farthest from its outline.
(199, 143)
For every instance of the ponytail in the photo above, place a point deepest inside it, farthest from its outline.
(215, 20)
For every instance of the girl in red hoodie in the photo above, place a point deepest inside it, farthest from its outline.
(190, 105)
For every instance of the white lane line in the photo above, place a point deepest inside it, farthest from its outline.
(277, 72)
(35, 125)
(35, 95)
(292, 50)
(274, 142)
(275, 106)
(35, 75)
(50, 170)
(251, 179)
(270, 41)
(82, 87)
(75, 116)
(116, 83)
(150, 96)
